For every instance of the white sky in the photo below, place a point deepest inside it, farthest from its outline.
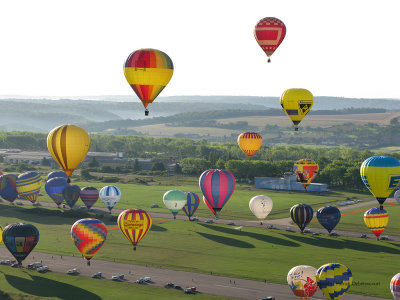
(77, 48)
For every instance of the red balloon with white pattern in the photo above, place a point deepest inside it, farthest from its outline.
(269, 33)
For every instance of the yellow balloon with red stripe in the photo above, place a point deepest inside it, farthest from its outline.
(249, 142)
(68, 144)
(296, 103)
(134, 224)
(376, 220)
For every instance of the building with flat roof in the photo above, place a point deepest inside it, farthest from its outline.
(287, 183)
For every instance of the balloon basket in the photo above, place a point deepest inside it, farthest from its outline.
(146, 112)
(88, 263)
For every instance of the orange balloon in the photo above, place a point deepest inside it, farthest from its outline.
(249, 142)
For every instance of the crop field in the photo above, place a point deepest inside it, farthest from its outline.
(162, 130)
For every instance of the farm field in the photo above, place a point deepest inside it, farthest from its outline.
(163, 130)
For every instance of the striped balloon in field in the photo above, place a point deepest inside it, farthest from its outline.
(88, 235)
(110, 195)
(249, 142)
(395, 286)
(301, 215)
(89, 196)
(28, 185)
(54, 188)
(334, 280)
(192, 203)
(134, 224)
(376, 220)
(217, 187)
(8, 187)
(55, 174)
(71, 194)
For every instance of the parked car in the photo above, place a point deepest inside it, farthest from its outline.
(316, 233)
(97, 275)
(194, 219)
(7, 262)
(307, 230)
(364, 236)
(209, 221)
(178, 287)
(334, 233)
(289, 229)
(230, 223)
(115, 278)
(147, 278)
(268, 298)
(72, 271)
(170, 285)
(384, 238)
(188, 291)
(41, 270)
(37, 264)
(15, 265)
(140, 281)
(121, 276)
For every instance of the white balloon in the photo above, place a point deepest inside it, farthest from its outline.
(397, 196)
(302, 281)
(110, 195)
(260, 206)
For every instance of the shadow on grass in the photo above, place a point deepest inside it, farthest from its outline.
(43, 287)
(261, 237)
(337, 243)
(157, 228)
(226, 241)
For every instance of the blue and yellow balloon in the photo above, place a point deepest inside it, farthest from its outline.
(334, 280)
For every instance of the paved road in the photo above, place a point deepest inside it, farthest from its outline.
(234, 288)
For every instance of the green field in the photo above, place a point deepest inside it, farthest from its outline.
(251, 253)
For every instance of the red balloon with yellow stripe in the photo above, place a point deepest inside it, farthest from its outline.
(376, 220)
(269, 33)
(134, 224)
(249, 142)
(148, 71)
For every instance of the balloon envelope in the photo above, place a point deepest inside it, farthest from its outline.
(88, 235)
(110, 195)
(395, 286)
(260, 206)
(306, 170)
(381, 175)
(134, 224)
(71, 194)
(269, 33)
(68, 144)
(328, 217)
(174, 200)
(302, 281)
(89, 196)
(54, 188)
(20, 239)
(8, 187)
(56, 174)
(296, 103)
(301, 215)
(376, 220)
(192, 203)
(217, 187)
(28, 185)
(249, 142)
(334, 280)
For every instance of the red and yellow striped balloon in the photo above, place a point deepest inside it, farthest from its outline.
(249, 142)
(376, 220)
(134, 224)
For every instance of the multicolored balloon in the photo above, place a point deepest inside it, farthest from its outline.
(260, 206)
(89, 196)
(110, 195)
(88, 235)
(217, 187)
(306, 170)
(28, 185)
(301, 215)
(148, 71)
(68, 144)
(20, 239)
(381, 175)
(249, 142)
(334, 280)
(192, 203)
(302, 281)
(8, 187)
(55, 174)
(71, 194)
(376, 220)
(134, 224)
(395, 286)
(269, 33)
(296, 103)
(174, 200)
(54, 188)
(328, 217)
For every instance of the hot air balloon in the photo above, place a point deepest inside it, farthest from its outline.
(56, 174)
(174, 200)
(208, 205)
(88, 235)
(249, 142)
(71, 194)
(1, 234)
(8, 187)
(110, 195)
(296, 103)
(269, 33)
(54, 188)
(376, 220)
(306, 170)
(395, 286)
(260, 206)
(20, 239)
(148, 71)
(381, 175)
(329, 217)
(134, 224)
(68, 144)
(192, 203)
(334, 280)
(301, 215)
(302, 281)
(396, 196)
(89, 196)
(217, 187)
(28, 185)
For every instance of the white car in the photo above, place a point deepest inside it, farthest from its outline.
(72, 271)
(147, 278)
(115, 278)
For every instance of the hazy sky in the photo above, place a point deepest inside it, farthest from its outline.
(77, 48)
